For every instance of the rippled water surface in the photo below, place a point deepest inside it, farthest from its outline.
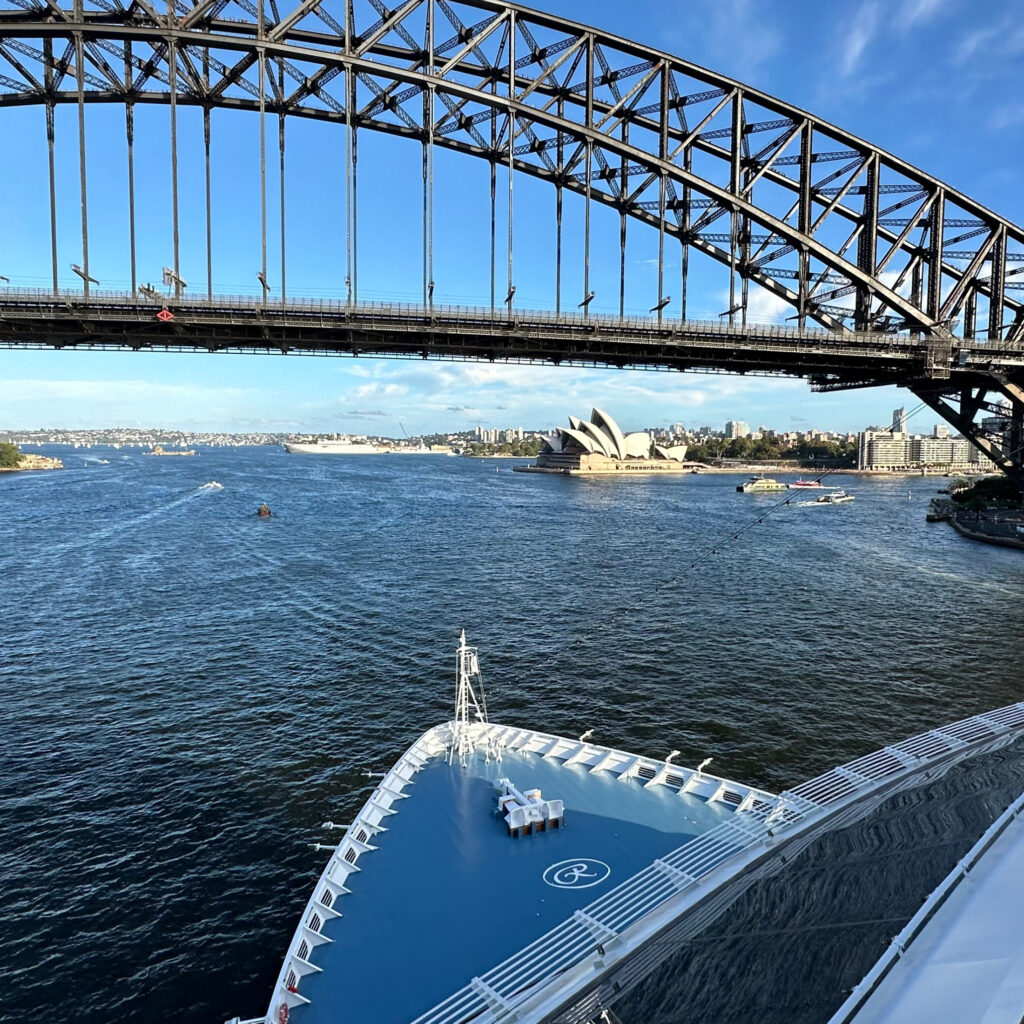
(189, 691)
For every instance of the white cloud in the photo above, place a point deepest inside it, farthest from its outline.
(1008, 115)
(920, 12)
(112, 391)
(991, 44)
(857, 37)
(378, 390)
(457, 395)
(766, 307)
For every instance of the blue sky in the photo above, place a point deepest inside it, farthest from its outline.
(938, 82)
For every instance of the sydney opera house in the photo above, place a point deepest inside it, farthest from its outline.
(598, 446)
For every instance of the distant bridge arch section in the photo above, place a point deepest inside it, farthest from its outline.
(846, 234)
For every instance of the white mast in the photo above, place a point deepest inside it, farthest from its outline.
(470, 709)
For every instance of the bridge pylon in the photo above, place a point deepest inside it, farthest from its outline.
(990, 414)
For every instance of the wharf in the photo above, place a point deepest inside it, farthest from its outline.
(1007, 533)
(626, 469)
(1004, 528)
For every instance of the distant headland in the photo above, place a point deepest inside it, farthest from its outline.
(13, 461)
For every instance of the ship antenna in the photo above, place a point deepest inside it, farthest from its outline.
(470, 710)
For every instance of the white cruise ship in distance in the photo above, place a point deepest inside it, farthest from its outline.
(499, 874)
(335, 446)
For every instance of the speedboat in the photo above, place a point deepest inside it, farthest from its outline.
(834, 498)
(799, 484)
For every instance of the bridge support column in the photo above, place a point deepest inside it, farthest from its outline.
(1003, 445)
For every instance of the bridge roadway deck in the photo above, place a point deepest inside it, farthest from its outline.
(112, 320)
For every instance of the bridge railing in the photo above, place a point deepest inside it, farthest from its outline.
(35, 301)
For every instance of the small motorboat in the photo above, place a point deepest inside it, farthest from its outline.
(264, 511)
(833, 498)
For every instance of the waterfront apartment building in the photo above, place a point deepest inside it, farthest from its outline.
(882, 450)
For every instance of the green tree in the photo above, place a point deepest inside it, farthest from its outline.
(989, 492)
(738, 448)
(10, 455)
(763, 448)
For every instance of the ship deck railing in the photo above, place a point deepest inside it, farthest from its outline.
(934, 902)
(598, 935)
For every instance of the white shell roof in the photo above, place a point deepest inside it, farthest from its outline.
(601, 435)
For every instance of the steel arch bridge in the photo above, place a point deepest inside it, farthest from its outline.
(892, 276)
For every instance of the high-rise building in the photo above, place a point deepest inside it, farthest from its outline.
(940, 430)
(883, 449)
(736, 428)
(899, 421)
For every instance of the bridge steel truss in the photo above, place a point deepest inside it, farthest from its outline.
(849, 236)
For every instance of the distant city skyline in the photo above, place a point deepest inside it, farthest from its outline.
(241, 393)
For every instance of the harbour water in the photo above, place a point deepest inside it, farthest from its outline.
(188, 691)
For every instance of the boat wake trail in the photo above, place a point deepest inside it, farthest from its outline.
(91, 543)
(211, 485)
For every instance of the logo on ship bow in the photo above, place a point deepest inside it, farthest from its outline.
(578, 873)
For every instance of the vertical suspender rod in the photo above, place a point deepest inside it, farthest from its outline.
(80, 81)
(172, 62)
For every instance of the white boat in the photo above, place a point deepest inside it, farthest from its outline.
(498, 873)
(834, 498)
(342, 446)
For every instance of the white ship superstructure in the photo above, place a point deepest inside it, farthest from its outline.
(342, 446)
(499, 873)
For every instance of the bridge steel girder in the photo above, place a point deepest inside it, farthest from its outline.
(827, 359)
(576, 87)
(846, 234)
(960, 408)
